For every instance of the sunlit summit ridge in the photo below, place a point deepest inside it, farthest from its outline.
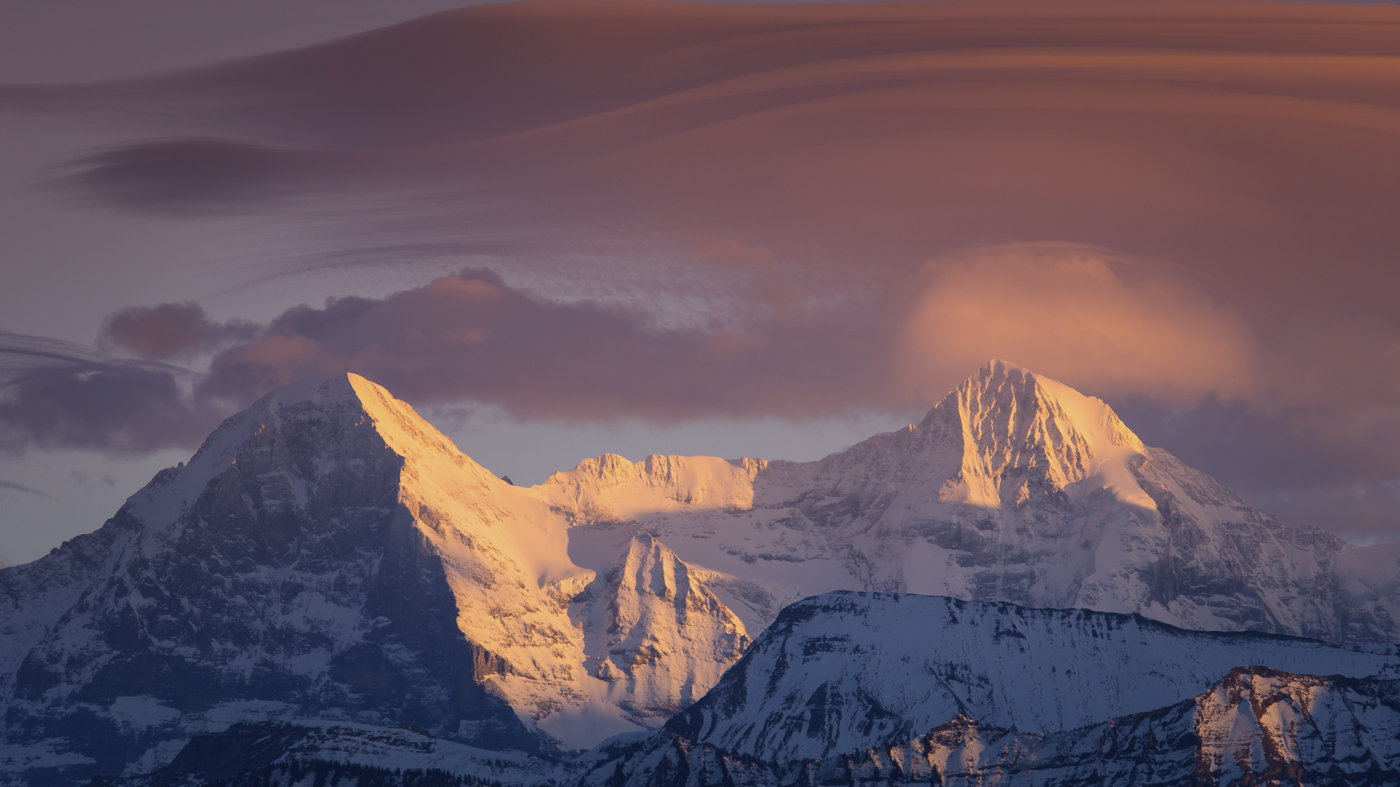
(335, 545)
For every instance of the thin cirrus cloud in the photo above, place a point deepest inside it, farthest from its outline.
(866, 189)
(1248, 142)
(13, 487)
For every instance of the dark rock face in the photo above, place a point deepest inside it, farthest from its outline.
(291, 583)
(239, 749)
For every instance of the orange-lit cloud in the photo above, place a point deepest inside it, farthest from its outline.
(1225, 178)
(1079, 314)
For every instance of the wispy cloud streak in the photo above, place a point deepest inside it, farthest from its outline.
(696, 210)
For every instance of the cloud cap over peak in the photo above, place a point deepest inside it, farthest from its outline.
(1089, 316)
(736, 211)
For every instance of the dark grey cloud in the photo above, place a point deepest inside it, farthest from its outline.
(169, 331)
(1323, 464)
(471, 337)
(806, 163)
(197, 175)
(50, 398)
(464, 337)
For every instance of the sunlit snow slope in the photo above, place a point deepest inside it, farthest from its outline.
(328, 554)
(1013, 488)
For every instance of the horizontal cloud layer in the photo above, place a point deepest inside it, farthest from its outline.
(746, 210)
(168, 331)
(1067, 310)
(59, 395)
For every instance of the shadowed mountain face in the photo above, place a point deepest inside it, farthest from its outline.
(1253, 725)
(278, 574)
(329, 555)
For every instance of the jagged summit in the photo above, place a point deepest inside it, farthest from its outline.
(329, 554)
(1016, 488)
(1001, 402)
(343, 408)
(661, 631)
(347, 388)
(347, 397)
(1038, 435)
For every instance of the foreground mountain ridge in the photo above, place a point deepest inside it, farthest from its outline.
(1254, 726)
(842, 689)
(328, 554)
(851, 670)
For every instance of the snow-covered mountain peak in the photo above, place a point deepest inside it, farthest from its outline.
(1039, 434)
(324, 392)
(331, 409)
(1006, 408)
(1014, 488)
(649, 566)
(404, 430)
(662, 635)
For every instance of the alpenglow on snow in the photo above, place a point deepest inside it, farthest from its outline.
(327, 554)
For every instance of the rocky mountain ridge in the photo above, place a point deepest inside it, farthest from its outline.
(329, 555)
(846, 671)
(1254, 726)
(1013, 488)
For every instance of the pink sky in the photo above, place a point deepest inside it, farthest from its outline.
(674, 214)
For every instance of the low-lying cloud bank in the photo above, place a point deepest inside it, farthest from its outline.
(1079, 313)
(59, 395)
(1185, 369)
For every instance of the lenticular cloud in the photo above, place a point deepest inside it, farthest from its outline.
(703, 210)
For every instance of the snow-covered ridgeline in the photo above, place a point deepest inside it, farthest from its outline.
(329, 554)
(1255, 726)
(1013, 488)
(846, 671)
